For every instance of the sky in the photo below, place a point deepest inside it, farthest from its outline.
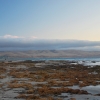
(32, 21)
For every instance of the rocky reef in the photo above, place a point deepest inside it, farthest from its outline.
(47, 80)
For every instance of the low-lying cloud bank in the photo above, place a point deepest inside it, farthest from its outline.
(8, 44)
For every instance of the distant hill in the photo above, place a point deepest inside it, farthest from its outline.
(51, 53)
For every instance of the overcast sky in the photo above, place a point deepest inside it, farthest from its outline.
(28, 22)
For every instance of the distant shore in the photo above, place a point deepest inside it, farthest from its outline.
(50, 54)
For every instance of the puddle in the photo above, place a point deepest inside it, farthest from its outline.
(80, 97)
(89, 63)
(90, 89)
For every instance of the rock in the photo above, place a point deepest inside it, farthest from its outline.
(72, 99)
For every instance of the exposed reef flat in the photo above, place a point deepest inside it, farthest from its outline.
(49, 80)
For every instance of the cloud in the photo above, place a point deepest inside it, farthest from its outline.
(9, 42)
(8, 36)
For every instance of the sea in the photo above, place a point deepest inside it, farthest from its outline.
(46, 59)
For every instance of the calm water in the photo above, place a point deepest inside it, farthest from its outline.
(38, 59)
